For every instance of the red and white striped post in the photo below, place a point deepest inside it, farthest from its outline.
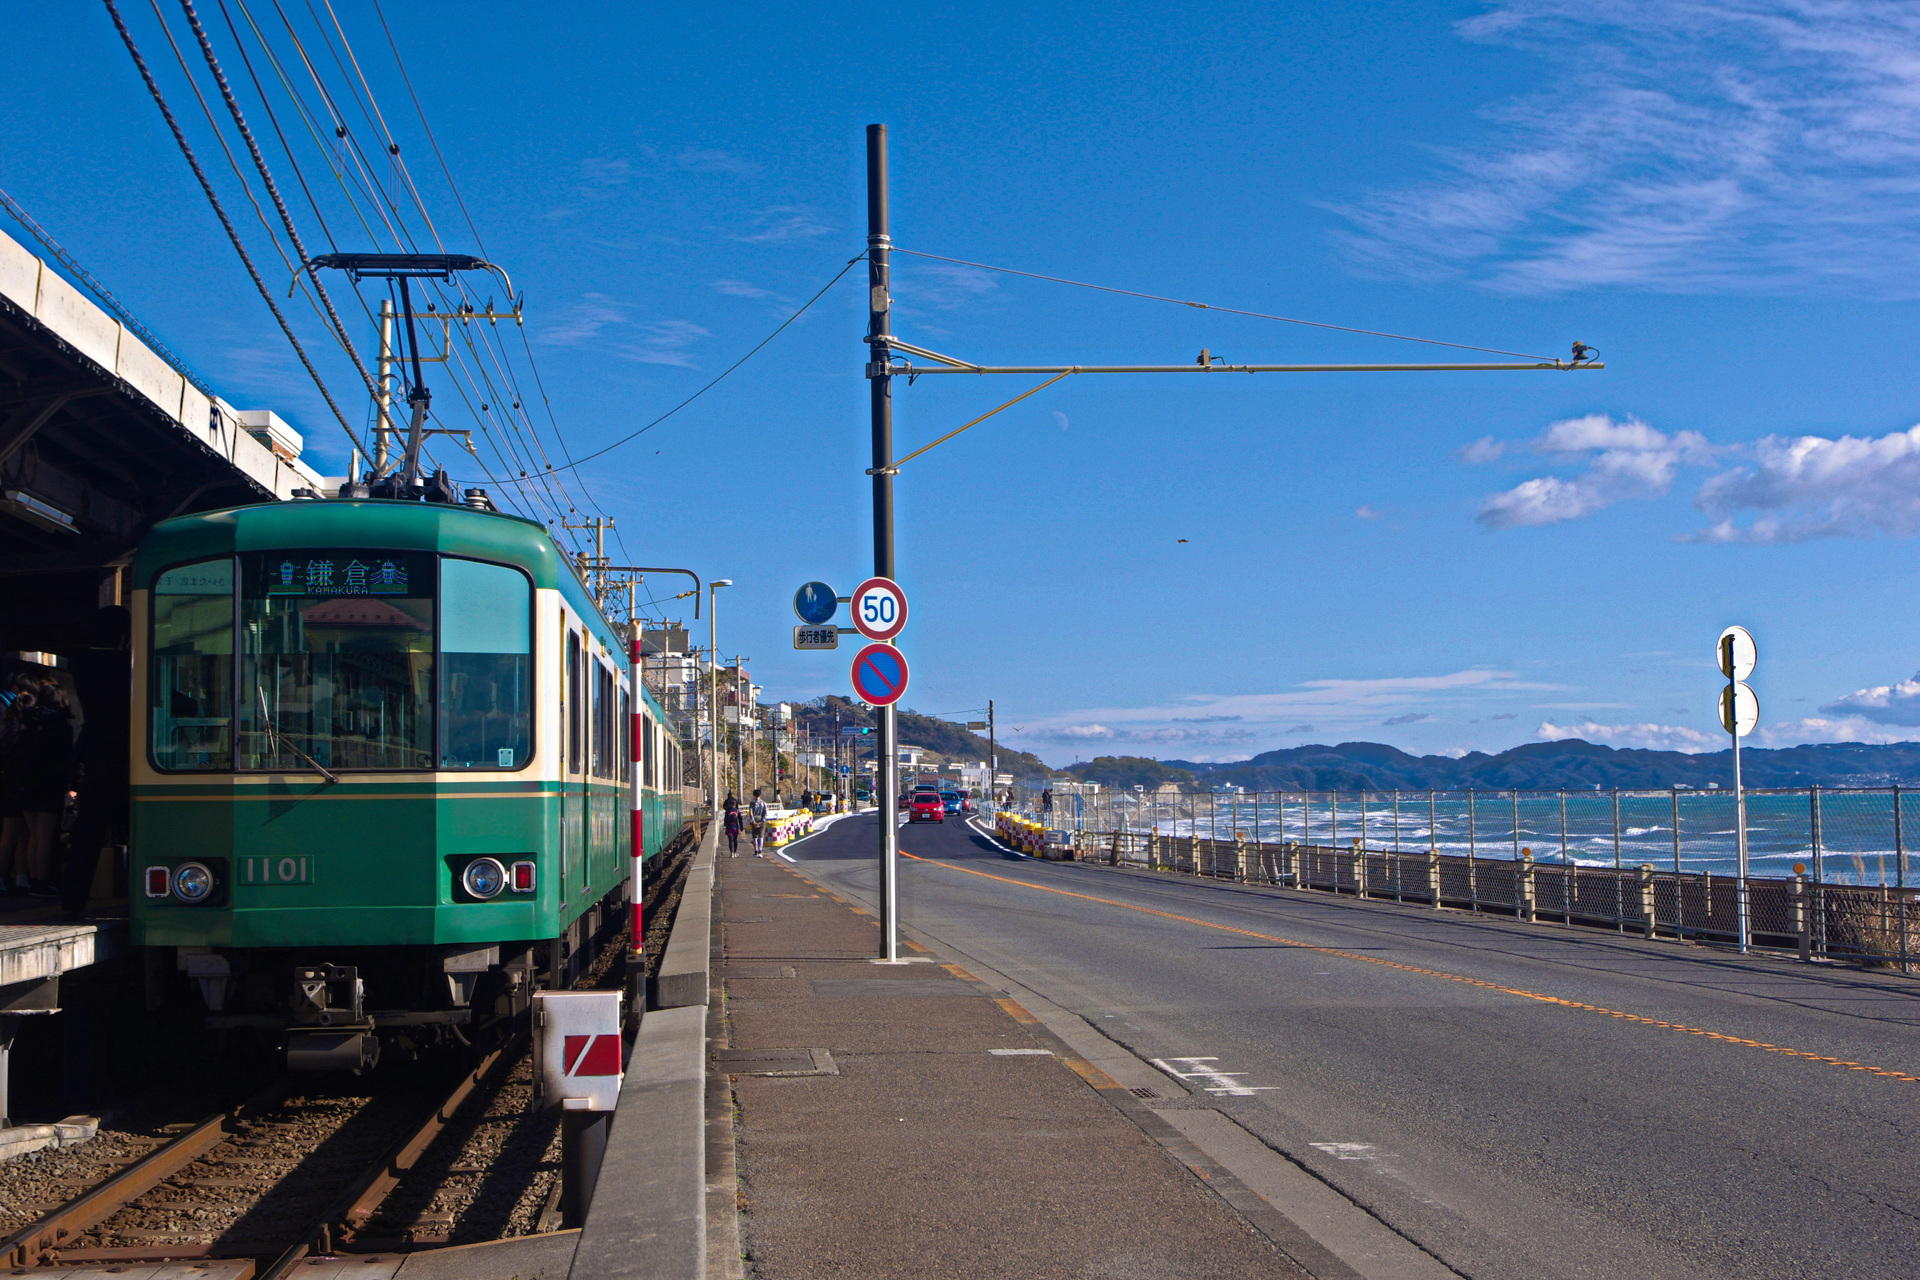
(638, 819)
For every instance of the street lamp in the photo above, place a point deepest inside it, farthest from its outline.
(713, 696)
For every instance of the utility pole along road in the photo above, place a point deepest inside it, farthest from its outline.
(1520, 1101)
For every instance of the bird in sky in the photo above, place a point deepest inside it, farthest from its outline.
(1182, 539)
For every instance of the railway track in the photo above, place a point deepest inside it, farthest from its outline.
(310, 1167)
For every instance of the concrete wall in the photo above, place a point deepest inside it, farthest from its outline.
(37, 289)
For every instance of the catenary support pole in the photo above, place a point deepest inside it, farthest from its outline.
(880, 388)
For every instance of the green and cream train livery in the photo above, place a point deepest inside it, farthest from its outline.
(383, 770)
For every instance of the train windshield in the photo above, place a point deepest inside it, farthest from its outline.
(486, 665)
(336, 660)
(346, 660)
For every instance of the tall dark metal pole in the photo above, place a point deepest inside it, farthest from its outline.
(880, 384)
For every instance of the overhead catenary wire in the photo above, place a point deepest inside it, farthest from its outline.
(724, 372)
(351, 169)
(273, 190)
(226, 223)
(1208, 306)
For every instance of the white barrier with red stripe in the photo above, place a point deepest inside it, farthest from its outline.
(576, 1049)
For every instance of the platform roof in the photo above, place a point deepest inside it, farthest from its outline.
(100, 439)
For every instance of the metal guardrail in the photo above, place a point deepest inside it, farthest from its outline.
(1876, 925)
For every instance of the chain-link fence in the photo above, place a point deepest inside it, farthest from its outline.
(1828, 868)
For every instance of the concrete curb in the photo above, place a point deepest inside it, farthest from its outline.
(72, 1131)
(681, 981)
(649, 1214)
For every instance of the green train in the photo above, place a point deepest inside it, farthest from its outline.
(385, 768)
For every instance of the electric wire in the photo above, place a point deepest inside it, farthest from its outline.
(352, 171)
(273, 190)
(1208, 306)
(377, 119)
(729, 369)
(226, 223)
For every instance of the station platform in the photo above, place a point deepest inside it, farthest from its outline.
(38, 947)
(911, 1120)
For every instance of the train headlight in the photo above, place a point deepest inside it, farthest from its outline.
(192, 882)
(484, 878)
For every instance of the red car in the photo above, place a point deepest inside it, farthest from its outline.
(927, 806)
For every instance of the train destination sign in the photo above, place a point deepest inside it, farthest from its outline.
(827, 637)
(879, 674)
(879, 608)
(814, 604)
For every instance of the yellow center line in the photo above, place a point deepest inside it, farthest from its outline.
(1522, 992)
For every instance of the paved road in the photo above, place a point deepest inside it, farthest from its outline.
(1521, 1101)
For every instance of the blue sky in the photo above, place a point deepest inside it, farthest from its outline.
(1721, 197)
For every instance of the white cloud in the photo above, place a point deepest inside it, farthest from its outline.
(1366, 513)
(1882, 704)
(1411, 717)
(582, 322)
(741, 289)
(940, 285)
(1652, 737)
(1230, 726)
(1812, 487)
(1792, 733)
(664, 342)
(781, 223)
(1485, 449)
(1681, 145)
(1082, 731)
(1623, 460)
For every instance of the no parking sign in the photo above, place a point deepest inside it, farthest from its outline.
(879, 674)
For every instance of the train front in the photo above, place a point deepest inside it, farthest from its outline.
(341, 829)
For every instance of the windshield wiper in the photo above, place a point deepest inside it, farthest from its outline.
(275, 739)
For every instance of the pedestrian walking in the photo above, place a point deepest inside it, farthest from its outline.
(730, 823)
(758, 810)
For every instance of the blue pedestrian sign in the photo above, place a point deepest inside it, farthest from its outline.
(879, 674)
(815, 603)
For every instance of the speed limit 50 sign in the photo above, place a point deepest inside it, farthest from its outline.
(879, 608)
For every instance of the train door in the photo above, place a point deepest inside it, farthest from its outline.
(573, 780)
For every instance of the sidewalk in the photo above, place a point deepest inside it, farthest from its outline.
(900, 1121)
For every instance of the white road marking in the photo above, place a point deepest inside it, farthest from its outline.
(1021, 1053)
(1346, 1150)
(1221, 1083)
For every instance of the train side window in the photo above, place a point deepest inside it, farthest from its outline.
(190, 685)
(576, 710)
(486, 666)
(649, 753)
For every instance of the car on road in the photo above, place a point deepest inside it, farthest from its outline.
(926, 806)
(950, 800)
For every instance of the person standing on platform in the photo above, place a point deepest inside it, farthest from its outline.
(45, 756)
(103, 677)
(758, 811)
(15, 702)
(731, 824)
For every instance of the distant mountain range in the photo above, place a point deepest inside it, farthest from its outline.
(1571, 765)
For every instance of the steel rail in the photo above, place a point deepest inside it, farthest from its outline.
(358, 1203)
(30, 1246)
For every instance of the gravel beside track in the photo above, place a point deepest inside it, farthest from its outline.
(493, 1171)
